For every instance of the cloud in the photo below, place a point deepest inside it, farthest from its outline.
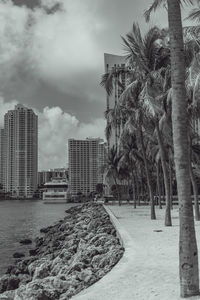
(55, 127)
(4, 107)
(50, 43)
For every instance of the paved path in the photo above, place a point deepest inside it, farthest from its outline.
(149, 267)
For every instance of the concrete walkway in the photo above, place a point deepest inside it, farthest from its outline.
(149, 268)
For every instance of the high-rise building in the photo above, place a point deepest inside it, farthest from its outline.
(1, 155)
(86, 158)
(115, 65)
(20, 152)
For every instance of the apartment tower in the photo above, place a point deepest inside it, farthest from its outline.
(20, 152)
(116, 66)
(86, 158)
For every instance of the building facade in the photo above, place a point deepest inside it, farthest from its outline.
(46, 176)
(115, 65)
(1, 155)
(86, 158)
(20, 152)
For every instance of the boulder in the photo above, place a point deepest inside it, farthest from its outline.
(36, 290)
(33, 252)
(85, 275)
(18, 255)
(26, 242)
(9, 282)
(43, 270)
(8, 295)
(35, 264)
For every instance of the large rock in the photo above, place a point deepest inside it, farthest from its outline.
(26, 242)
(8, 283)
(36, 290)
(8, 295)
(18, 255)
(35, 264)
(43, 270)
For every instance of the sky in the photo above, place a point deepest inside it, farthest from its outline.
(51, 60)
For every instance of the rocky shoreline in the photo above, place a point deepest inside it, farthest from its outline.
(69, 257)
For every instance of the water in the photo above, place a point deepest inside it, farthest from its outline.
(20, 219)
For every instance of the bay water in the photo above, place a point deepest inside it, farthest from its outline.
(20, 219)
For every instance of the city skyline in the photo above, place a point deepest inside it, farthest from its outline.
(63, 88)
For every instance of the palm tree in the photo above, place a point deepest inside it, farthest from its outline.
(148, 57)
(129, 104)
(111, 169)
(188, 254)
(130, 159)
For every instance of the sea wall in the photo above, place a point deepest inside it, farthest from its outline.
(69, 257)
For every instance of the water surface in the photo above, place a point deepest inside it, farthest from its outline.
(21, 219)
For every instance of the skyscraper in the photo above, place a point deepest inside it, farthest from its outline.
(116, 66)
(20, 152)
(1, 155)
(86, 158)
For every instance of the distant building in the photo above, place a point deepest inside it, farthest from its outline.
(20, 152)
(46, 176)
(116, 65)
(86, 158)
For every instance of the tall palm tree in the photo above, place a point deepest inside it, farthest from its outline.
(188, 254)
(112, 170)
(130, 159)
(147, 56)
(129, 102)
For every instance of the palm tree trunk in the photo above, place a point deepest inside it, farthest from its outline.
(118, 193)
(170, 184)
(158, 185)
(168, 221)
(194, 186)
(195, 191)
(153, 214)
(137, 187)
(188, 253)
(115, 87)
(134, 193)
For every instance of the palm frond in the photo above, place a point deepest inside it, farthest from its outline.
(134, 46)
(150, 47)
(194, 15)
(107, 82)
(191, 32)
(196, 97)
(130, 95)
(156, 4)
(108, 131)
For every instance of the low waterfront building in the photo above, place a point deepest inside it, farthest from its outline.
(46, 176)
(55, 191)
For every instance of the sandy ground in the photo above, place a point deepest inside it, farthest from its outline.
(155, 270)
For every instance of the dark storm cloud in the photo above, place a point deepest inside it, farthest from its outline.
(37, 4)
(29, 3)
